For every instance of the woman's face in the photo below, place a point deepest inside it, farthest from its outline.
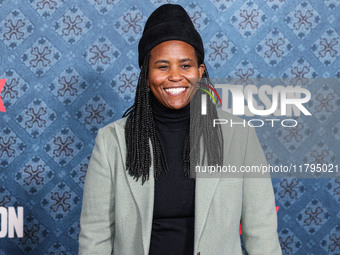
(172, 65)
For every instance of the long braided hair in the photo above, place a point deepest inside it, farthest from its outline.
(140, 131)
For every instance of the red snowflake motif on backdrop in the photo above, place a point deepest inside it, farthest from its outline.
(67, 86)
(40, 57)
(100, 2)
(5, 146)
(335, 242)
(9, 89)
(51, 4)
(83, 169)
(249, 19)
(94, 114)
(14, 29)
(5, 200)
(30, 234)
(72, 25)
(218, 50)
(127, 82)
(325, 102)
(34, 175)
(2, 85)
(300, 74)
(274, 48)
(197, 15)
(288, 188)
(99, 54)
(303, 20)
(244, 75)
(63, 146)
(327, 47)
(319, 156)
(132, 23)
(285, 244)
(36, 117)
(60, 201)
(293, 132)
(313, 216)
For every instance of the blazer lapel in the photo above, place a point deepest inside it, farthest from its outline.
(205, 189)
(142, 194)
(144, 198)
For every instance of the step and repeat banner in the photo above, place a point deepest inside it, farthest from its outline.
(67, 68)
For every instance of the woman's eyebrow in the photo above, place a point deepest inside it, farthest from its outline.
(167, 61)
(162, 61)
(185, 60)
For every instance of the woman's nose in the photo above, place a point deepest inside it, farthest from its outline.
(175, 74)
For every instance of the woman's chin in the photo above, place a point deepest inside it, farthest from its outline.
(176, 105)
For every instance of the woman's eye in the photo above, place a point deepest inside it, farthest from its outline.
(186, 66)
(162, 67)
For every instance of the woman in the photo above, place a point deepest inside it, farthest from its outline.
(138, 197)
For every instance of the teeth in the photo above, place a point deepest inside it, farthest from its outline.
(175, 90)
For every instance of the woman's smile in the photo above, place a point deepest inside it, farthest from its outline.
(176, 91)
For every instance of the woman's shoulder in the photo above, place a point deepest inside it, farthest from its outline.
(231, 123)
(228, 116)
(116, 128)
(120, 123)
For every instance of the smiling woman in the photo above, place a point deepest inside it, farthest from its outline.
(138, 195)
(172, 66)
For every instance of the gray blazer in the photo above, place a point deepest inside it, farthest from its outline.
(117, 211)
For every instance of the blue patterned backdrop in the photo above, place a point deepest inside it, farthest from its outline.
(71, 68)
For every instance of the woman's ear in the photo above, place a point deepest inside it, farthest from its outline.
(201, 69)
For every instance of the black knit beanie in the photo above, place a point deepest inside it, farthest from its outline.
(168, 22)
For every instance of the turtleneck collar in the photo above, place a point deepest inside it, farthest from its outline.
(169, 119)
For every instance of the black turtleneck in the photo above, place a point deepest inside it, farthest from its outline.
(174, 203)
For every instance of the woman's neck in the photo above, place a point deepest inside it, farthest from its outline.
(169, 119)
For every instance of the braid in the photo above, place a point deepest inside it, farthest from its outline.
(140, 129)
(202, 130)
